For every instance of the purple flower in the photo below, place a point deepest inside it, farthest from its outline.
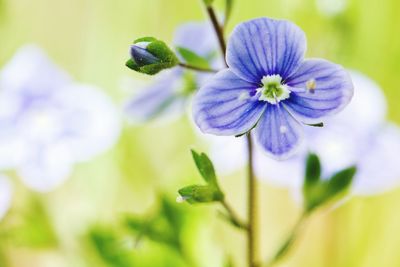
(169, 93)
(269, 86)
(49, 122)
(371, 144)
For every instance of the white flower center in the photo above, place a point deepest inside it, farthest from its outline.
(272, 91)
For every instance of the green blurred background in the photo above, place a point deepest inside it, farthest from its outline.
(79, 224)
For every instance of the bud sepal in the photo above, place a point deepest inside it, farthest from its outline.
(150, 56)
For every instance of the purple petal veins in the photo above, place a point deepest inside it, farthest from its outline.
(270, 86)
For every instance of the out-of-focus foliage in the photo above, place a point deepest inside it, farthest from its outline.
(89, 40)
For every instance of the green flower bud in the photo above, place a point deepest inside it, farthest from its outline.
(150, 56)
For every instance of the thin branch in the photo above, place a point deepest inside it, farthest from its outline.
(233, 216)
(195, 68)
(218, 30)
(252, 231)
(285, 247)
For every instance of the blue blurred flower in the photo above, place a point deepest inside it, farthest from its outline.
(271, 87)
(359, 135)
(169, 93)
(48, 122)
(5, 195)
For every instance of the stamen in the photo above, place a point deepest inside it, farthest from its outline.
(272, 89)
(311, 85)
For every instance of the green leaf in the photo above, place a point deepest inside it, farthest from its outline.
(155, 229)
(132, 65)
(109, 248)
(208, 2)
(192, 58)
(313, 170)
(341, 181)
(320, 192)
(205, 167)
(194, 194)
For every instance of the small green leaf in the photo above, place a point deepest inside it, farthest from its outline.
(341, 181)
(208, 2)
(313, 170)
(205, 167)
(200, 194)
(132, 65)
(320, 192)
(192, 58)
(108, 247)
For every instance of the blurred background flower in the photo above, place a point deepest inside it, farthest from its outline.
(168, 95)
(359, 135)
(49, 122)
(89, 40)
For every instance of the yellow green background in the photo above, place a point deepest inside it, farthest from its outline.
(90, 40)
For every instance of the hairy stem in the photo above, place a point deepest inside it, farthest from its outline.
(252, 231)
(195, 68)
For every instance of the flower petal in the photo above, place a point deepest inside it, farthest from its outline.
(265, 46)
(358, 114)
(278, 132)
(379, 169)
(46, 167)
(198, 37)
(158, 99)
(333, 90)
(91, 121)
(224, 105)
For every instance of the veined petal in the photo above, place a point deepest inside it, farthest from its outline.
(331, 91)
(265, 46)
(358, 114)
(224, 106)
(278, 132)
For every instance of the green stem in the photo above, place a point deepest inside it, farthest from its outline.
(252, 231)
(285, 247)
(232, 217)
(218, 30)
(195, 68)
(252, 227)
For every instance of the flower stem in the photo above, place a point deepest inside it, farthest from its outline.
(252, 230)
(191, 67)
(218, 30)
(252, 227)
(285, 247)
(233, 217)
